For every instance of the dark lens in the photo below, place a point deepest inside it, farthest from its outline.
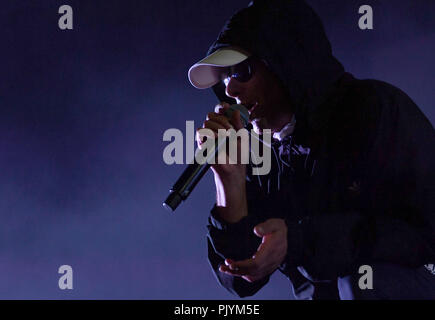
(242, 71)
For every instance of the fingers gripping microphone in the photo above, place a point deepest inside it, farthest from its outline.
(195, 171)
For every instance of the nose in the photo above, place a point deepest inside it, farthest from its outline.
(233, 88)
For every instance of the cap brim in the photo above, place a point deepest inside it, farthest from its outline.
(207, 72)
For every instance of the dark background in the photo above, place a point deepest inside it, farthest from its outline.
(82, 116)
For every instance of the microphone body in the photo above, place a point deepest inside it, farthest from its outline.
(195, 171)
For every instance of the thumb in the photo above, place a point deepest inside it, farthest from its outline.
(267, 227)
(260, 230)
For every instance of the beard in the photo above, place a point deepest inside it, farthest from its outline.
(272, 117)
(259, 125)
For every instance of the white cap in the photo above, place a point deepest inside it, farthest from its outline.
(207, 72)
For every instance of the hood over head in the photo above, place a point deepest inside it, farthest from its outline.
(289, 35)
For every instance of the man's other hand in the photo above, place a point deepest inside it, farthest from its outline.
(270, 254)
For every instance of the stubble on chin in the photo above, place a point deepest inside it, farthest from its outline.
(257, 129)
(259, 125)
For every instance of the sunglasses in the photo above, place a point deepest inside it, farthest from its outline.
(242, 71)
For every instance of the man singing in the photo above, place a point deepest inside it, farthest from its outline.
(352, 183)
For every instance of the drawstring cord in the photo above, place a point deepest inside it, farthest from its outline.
(276, 159)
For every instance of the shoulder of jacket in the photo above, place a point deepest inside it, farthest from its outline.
(371, 90)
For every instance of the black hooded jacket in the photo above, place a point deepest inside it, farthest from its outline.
(354, 182)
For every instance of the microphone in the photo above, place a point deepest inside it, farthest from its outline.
(195, 171)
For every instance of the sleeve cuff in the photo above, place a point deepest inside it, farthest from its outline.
(220, 224)
(233, 240)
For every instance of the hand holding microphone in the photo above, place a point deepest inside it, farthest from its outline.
(225, 117)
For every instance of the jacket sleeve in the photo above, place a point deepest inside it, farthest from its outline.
(237, 241)
(234, 242)
(397, 224)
